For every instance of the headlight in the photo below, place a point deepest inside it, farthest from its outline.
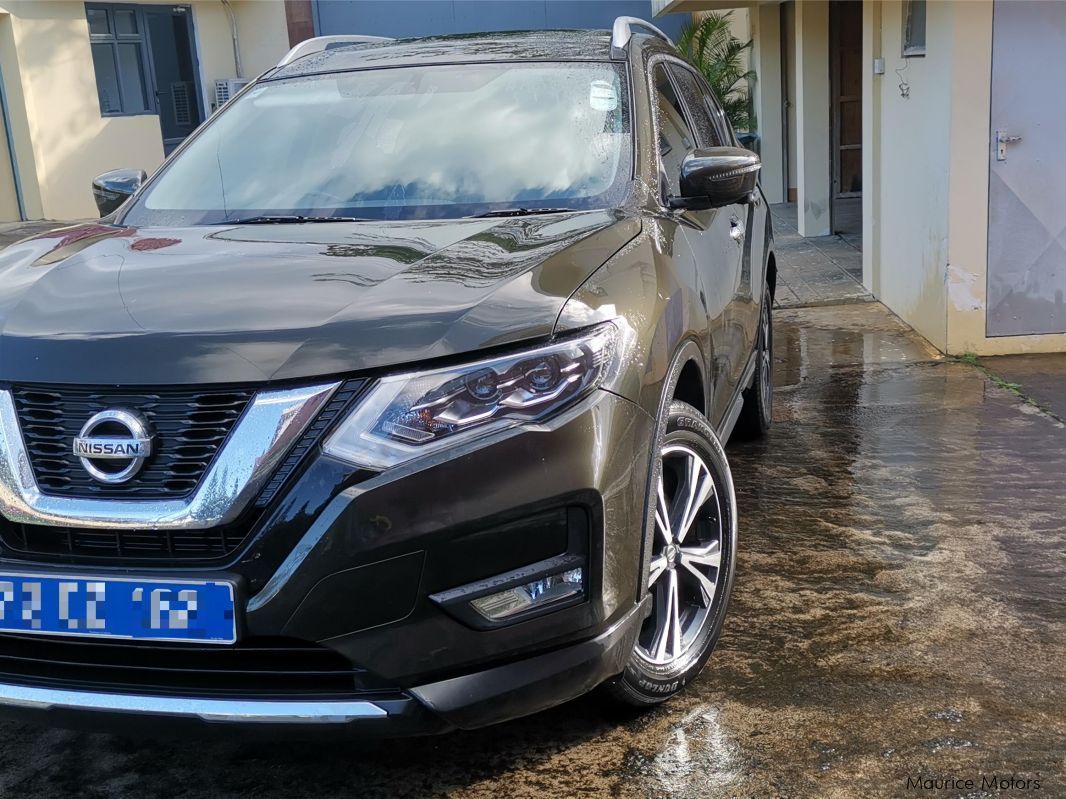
(409, 415)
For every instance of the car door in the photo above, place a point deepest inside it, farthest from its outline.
(711, 236)
(708, 116)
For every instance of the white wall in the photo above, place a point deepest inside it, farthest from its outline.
(788, 32)
(768, 99)
(909, 255)
(811, 67)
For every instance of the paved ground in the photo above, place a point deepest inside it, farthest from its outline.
(1039, 378)
(898, 614)
(818, 271)
(10, 232)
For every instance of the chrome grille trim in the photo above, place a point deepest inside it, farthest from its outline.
(257, 445)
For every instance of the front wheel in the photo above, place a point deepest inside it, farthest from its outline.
(693, 556)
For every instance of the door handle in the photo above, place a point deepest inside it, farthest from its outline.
(736, 230)
(1002, 140)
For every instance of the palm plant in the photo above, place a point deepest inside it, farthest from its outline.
(719, 55)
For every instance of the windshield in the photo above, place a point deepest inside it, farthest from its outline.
(406, 143)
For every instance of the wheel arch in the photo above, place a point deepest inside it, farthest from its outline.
(687, 356)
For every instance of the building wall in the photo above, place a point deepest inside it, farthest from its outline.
(788, 34)
(913, 158)
(62, 139)
(429, 17)
(9, 208)
(926, 222)
(967, 277)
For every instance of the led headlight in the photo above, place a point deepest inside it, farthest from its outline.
(409, 415)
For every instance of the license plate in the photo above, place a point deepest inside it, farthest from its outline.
(118, 607)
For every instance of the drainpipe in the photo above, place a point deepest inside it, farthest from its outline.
(12, 157)
(236, 42)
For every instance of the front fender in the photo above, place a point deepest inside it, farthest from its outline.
(640, 289)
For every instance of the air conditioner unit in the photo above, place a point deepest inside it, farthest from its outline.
(226, 88)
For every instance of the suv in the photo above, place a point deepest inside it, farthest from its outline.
(394, 401)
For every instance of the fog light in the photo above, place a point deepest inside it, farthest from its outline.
(537, 594)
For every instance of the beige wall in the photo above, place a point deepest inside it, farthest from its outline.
(62, 140)
(967, 276)
(9, 208)
(70, 142)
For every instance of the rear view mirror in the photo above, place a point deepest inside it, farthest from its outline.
(113, 188)
(717, 176)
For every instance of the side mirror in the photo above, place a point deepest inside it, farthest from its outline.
(717, 176)
(113, 188)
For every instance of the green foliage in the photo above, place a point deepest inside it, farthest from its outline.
(719, 55)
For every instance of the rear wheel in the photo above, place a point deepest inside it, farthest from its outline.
(693, 555)
(757, 413)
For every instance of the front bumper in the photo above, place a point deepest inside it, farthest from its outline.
(467, 702)
(353, 565)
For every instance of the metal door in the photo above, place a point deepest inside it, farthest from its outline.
(1027, 180)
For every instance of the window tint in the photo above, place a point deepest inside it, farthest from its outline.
(675, 137)
(707, 132)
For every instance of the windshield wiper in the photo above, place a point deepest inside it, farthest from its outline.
(522, 212)
(291, 219)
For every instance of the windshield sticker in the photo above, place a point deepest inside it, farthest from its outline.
(603, 96)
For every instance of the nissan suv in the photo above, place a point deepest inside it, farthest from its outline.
(394, 401)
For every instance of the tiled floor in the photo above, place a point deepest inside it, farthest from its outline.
(819, 271)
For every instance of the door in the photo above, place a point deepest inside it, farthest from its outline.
(1027, 179)
(713, 130)
(845, 77)
(174, 72)
(713, 239)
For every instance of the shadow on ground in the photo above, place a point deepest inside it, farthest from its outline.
(898, 614)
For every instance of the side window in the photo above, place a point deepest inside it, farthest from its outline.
(699, 104)
(675, 136)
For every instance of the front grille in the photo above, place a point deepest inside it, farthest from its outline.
(190, 426)
(266, 667)
(82, 545)
(51, 417)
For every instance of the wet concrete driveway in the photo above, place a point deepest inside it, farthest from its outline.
(898, 614)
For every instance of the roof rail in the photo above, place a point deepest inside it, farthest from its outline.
(623, 32)
(320, 43)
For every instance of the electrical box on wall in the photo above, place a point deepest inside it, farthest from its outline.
(879, 66)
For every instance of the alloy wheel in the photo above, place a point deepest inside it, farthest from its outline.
(686, 556)
(766, 355)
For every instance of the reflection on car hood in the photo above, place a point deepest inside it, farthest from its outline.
(98, 304)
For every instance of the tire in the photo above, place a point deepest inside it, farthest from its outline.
(756, 415)
(667, 657)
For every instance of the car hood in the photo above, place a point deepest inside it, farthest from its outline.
(100, 304)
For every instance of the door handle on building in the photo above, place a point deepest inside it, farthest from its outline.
(1002, 140)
